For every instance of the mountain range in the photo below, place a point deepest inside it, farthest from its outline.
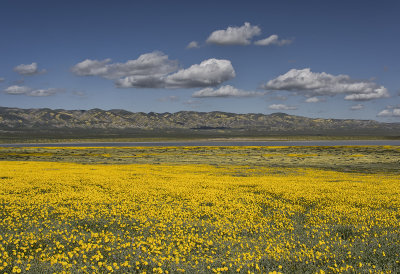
(191, 122)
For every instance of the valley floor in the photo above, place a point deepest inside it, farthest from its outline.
(200, 209)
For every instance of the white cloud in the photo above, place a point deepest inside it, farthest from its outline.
(91, 67)
(155, 70)
(44, 92)
(24, 90)
(155, 64)
(281, 107)
(273, 40)
(309, 83)
(313, 100)
(2, 79)
(357, 107)
(17, 89)
(141, 81)
(374, 93)
(150, 64)
(193, 45)
(393, 106)
(234, 35)
(225, 91)
(394, 112)
(30, 69)
(211, 72)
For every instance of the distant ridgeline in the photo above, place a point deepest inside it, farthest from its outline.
(117, 121)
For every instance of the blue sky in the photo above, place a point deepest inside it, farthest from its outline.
(329, 59)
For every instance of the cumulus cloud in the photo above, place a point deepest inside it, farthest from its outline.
(357, 107)
(211, 72)
(375, 93)
(225, 91)
(91, 68)
(28, 70)
(313, 100)
(273, 40)
(155, 70)
(390, 111)
(2, 79)
(309, 83)
(17, 89)
(141, 81)
(234, 35)
(154, 63)
(281, 107)
(24, 90)
(193, 45)
(44, 92)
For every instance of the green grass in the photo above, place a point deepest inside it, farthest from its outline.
(368, 159)
(78, 136)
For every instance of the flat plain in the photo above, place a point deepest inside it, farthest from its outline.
(333, 209)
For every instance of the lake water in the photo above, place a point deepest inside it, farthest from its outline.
(216, 143)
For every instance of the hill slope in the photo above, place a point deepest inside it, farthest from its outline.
(97, 120)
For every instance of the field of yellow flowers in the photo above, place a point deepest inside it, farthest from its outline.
(238, 211)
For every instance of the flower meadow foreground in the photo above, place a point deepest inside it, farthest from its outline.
(171, 217)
